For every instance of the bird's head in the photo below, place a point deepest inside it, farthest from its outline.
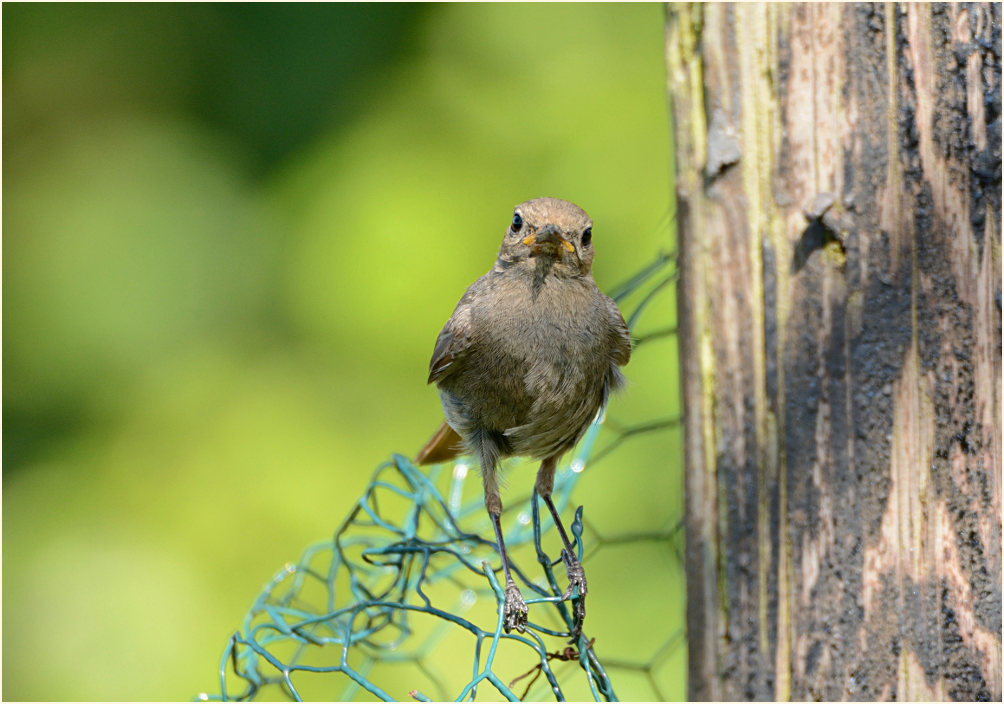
(549, 234)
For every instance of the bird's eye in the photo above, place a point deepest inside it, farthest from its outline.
(517, 222)
(587, 236)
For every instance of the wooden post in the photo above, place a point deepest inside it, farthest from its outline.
(839, 197)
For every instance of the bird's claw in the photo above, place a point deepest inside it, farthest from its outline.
(515, 611)
(576, 591)
(576, 576)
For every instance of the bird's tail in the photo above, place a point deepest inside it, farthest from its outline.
(444, 445)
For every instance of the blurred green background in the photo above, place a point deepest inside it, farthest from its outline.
(231, 234)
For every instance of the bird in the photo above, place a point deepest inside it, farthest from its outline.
(523, 366)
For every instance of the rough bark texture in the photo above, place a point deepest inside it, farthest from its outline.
(839, 200)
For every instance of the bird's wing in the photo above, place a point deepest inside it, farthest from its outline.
(453, 341)
(619, 331)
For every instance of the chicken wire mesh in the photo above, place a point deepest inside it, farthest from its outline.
(404, 601)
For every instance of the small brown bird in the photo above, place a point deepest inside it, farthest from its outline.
(526, 362)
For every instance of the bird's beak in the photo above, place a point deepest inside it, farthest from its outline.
(549, 235)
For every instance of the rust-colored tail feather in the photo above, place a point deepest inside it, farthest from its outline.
(444, 445)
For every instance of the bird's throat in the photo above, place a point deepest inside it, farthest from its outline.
(540, 272)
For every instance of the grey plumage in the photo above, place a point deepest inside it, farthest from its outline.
(529, 356)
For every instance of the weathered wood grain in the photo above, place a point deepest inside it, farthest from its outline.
(839, 197)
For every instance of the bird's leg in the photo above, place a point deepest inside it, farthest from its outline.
(515, 608)
(576, 575)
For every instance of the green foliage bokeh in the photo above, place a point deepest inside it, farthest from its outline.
(231, 234)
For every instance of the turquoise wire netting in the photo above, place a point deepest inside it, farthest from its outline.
(404, 602)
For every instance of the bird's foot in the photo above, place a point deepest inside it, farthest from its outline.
(576, 576)
(576, 591)
(514, 614)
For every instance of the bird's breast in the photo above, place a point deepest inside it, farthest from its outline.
(537, 367)
(540, 355)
